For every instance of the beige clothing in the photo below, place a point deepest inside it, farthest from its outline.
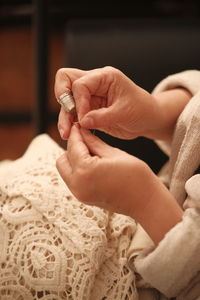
(52, 247)
(173, 267)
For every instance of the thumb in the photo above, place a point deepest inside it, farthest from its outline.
(95, 145)
(97, 119)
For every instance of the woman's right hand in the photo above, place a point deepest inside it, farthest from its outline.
(106, 100)
(118, 182)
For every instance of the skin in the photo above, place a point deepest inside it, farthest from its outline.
(109, 101)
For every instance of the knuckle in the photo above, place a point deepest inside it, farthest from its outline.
(86, 172)
(112, 73)
(110, 69)
(60, 76)
(84, 175)
(77, 84)
(60, 162)
(84, 182)
(60, 73)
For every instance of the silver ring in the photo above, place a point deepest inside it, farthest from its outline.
(66, 100)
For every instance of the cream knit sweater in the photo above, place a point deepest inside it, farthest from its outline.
(173, 267)
(52, 247)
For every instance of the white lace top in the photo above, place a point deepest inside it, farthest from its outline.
(52, 247)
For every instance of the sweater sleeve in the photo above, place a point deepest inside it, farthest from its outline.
(173, 267)
(175, 262)
(189, 80)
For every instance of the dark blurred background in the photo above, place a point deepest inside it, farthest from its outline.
(147, 40)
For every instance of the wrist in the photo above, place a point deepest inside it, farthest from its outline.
(167, 106)
(159, 211)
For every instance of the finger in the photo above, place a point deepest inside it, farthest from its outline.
(65, 121)
(96, 82)
(95, 145)
(63, 83)
(64, 124)
(82, 98)
(101, 118)
(77, 150)
(64, 168)
(64, 80)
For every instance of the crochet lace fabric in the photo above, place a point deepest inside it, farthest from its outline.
(52, 247)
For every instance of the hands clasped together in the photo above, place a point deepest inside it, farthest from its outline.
(98, 174)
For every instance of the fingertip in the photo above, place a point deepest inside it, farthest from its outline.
(65, 121)
(75, 127)
(61, 132)
(75, 133)
(99, 118)
(87, 122)
(96, 145)
(64, 133)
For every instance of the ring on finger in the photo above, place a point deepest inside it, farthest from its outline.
(66, 100)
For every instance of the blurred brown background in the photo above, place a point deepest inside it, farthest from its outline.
(19, 72)
(17, 86)
(19, 61)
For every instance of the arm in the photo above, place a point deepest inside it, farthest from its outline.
(170, 104)
(160, 213)
(178, 252)
(108, 100)
(118, 182)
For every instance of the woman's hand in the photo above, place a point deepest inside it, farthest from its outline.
(98, 174)
(106, 100)
(109, 101)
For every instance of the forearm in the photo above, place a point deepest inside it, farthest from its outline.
(159, 211)
(168, 106)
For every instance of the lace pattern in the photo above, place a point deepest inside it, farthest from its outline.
(52, 247)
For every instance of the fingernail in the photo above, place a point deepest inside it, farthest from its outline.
(87, 122)
(61, 131)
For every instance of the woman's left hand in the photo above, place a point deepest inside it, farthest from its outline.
(98, 174)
